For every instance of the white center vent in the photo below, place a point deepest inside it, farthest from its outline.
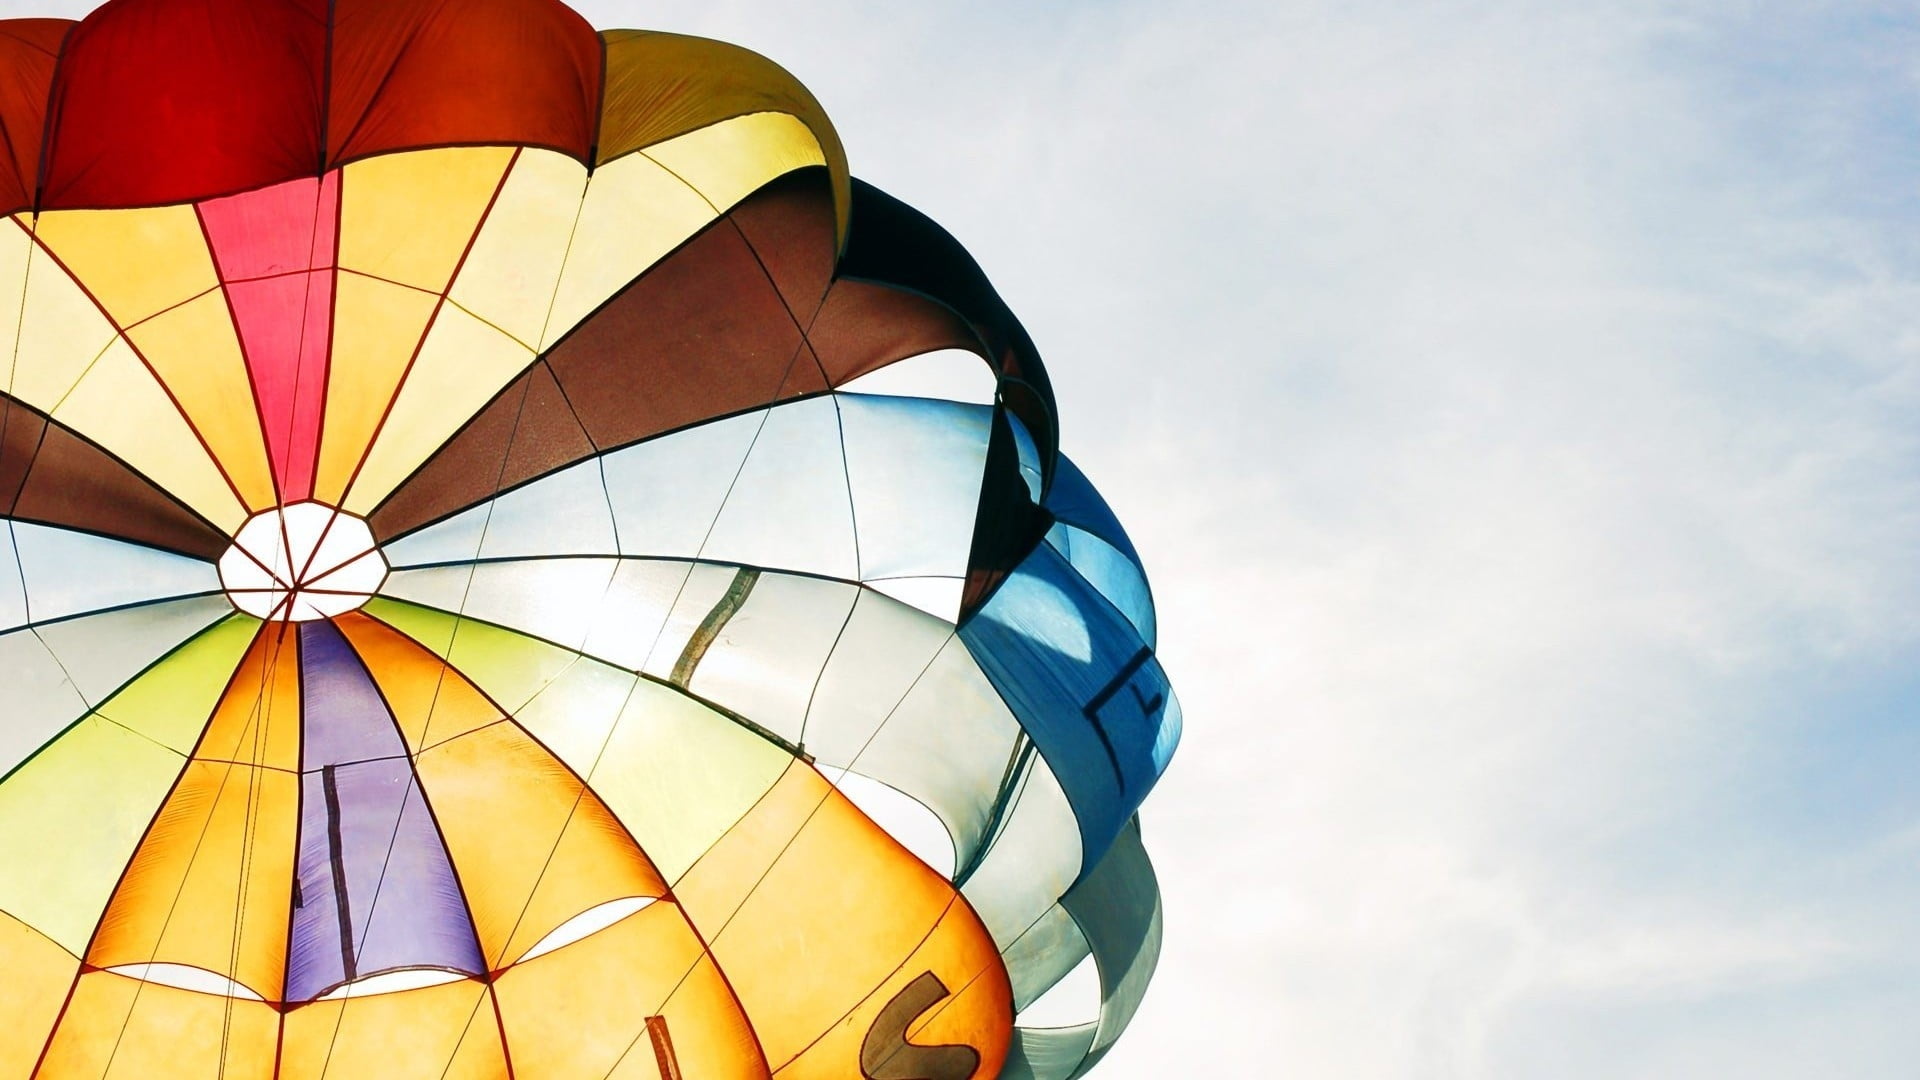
(302, 562)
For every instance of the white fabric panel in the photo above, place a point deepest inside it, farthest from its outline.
(1039, 958)
(68, 573)
(904, 818)
(13, 594)
(1047, 1053)
(1032, 861)
(915, 468)
(667, 491)
(1118, 908)
(769, 655)
(555, 599)
(1071, 1001)
(946, 374)
(54, 674)
(789, 508)
(937, 596)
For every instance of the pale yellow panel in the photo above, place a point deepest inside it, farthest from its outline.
(117, 1027)
(408, 217)
(377, 326)
(634, 213)
(119, 405)
(461, 365)
(49, 329)
(732, 159)
(510, 275)
(196, 354)
(134, 262)
(38, 975)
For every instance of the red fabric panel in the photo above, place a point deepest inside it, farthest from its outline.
(284, 318)
(411, 73)
(28, 48)
(164, 101)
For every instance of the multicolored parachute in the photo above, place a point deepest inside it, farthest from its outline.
(460, 615)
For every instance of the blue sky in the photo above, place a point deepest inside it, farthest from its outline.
(1515, 406)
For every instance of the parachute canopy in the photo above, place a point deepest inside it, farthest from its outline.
(468, 609)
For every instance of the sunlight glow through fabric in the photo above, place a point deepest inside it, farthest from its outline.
(502, 577)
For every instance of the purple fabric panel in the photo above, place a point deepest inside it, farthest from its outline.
(376, 890)
(345, 718)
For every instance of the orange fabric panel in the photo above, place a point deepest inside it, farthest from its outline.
(582, 1010)
(533, 848)
(158, 102)
(840, 908)
(430, 700)
(28, 49)
(258, 719)
(38, 974)
(211, 885)
(122, 1027)
(437, 1031)
(413, 73)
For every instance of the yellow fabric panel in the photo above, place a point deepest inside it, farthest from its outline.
(510, 274)
(258, 721)
(377, 326)
(732, 159)
(634, 212)
(581, 1010)
(658, 86)
(426, 1034)
(195, 352)
(462, 363)
(38, 973)
(172, 701)
(134, 262)
(69, 820)
(119, 405)
(819, 907)
(532, 848)
(976, 1011)
(408, 217)
(58, 329)
(119, 1028)
(430, 701)
(221, 851)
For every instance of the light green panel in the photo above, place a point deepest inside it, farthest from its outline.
(69, 821)
(172, 702)
(512, 668)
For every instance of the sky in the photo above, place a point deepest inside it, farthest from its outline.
(1514, 404)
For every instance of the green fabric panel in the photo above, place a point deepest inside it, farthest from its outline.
(172, 701)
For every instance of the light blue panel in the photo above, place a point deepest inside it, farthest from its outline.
(13, 595)
(1029, 456)
(1083, 684)
(666, 492)
(69, 573)
(563, 513)
(915, 466)
(1109, 570)
(789, 509)
(1074, 500)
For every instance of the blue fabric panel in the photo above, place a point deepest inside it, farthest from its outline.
(1109, 570)
(1083, 684)
(1074, 500)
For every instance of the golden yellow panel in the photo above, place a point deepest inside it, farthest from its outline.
(212, 884)
(134, 262)
(730, 160)
(38, 975)
(377, 327)
(119, 405)
(257, 721)
(196, 354)
(583, 1010)
(49, 330)
(532, 848)
(431, 702)
(635, 211)
(409, 217)
(462, 364)
(509, 277)
(820, 907)
(445, 1032)
(121, 1027)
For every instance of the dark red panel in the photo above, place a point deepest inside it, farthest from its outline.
(411, 73)
(28, 49)
(164, 101)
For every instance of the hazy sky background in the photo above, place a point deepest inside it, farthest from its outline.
(1518, 408)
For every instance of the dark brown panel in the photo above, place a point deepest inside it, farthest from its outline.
(865, 326)
(50, 475)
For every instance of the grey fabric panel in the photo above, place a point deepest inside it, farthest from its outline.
(1118, 908)
(1047, 1053)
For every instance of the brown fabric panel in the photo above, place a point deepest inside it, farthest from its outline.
(702, 334)
(662, 85)
(28, 51)
(865, 326)
(50, 475)
(530, 420)
(410, 73)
